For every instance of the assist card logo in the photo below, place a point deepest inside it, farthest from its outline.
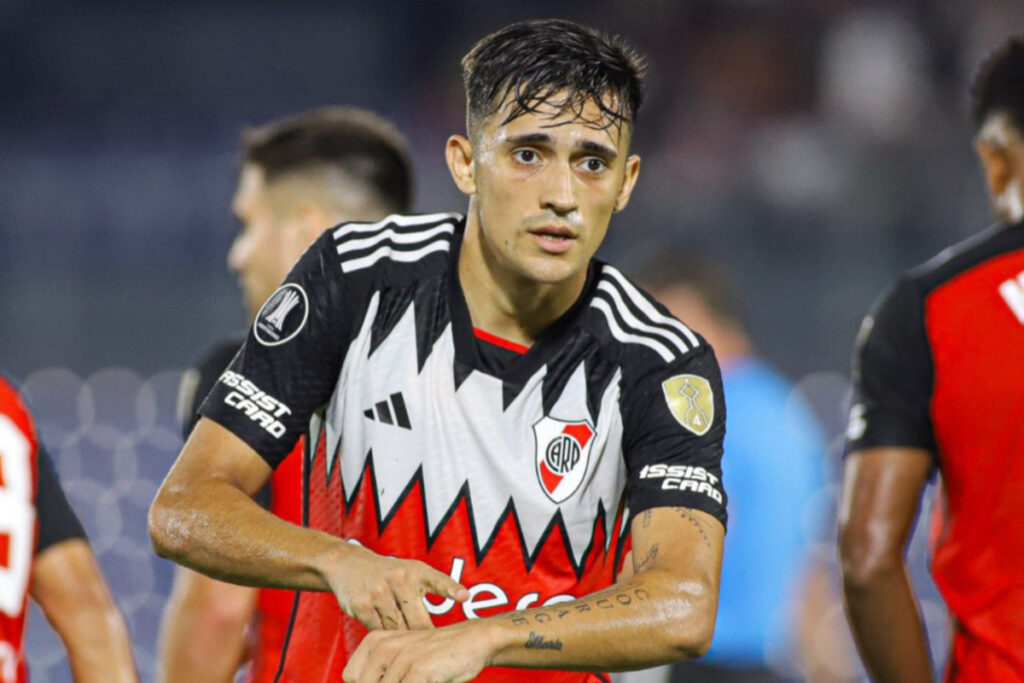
(563, 451)
(691, 401)
(282, 316)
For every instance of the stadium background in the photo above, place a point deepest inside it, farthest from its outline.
(816, 147)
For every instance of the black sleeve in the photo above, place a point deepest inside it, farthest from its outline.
(57, 521)
(292, 356)
(198, 380)
(892, 375)
(673, 429)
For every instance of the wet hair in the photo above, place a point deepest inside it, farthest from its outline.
(527, 64)
(998, 86)
(359, 143)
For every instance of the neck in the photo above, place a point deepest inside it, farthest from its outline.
(504, 302)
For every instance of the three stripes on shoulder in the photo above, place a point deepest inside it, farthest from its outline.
(398, 238)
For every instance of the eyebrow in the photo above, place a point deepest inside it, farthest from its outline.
(544, 139)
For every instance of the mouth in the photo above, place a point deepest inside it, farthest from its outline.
(553, 239)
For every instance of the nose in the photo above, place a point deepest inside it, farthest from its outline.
(238, 254)
(559, 191)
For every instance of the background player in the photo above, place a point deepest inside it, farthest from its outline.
(44, 552)
(773, 593)
(300, 175)
(575, 393)
(940, 384)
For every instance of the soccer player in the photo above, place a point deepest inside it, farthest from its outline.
(498, 397)
(939, 384)
(300, 175)
(44, 552)
(774, 460)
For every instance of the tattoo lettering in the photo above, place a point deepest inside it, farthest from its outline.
(652, 553)
(614, 598)
(645, 519)
(537, 642)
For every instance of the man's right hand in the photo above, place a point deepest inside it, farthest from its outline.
(386, 592)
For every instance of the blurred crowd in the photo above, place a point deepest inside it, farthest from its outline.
(815, 148)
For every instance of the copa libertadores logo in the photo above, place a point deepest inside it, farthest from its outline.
(691, 401)
(563, 451)
(282, 316)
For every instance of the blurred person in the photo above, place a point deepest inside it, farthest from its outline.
(44, 553)
(300, 175)
(939, 386)
(775, 454)
(497, 397)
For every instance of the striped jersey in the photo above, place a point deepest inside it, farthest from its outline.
(517, 480)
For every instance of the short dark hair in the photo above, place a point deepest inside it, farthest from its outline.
(999, 85)
(530, 61)
(358, 142)
(707, 278)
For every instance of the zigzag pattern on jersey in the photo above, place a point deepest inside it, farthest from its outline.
(398, 238)
(633, 319)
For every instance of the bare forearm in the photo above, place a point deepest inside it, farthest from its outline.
(887, 625)
(643, 621)
(98, 650)
(220, 531)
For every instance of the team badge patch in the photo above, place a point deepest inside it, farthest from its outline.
(282, 316)
(563, 451)
(691, 401)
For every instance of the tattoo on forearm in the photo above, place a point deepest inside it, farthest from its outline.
(652, 553)
(618, 597)
(697, 523)
(537, 642)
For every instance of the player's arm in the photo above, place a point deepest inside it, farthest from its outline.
(203, 632)
(68, 586)
(882, 489)
(204, 517)
(663, 613)
(890, 444)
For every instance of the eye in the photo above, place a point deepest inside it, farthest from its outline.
(525, 156)
(594, 165)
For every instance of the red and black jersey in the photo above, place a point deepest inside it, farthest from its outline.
(34, 515)
(282, 496)
(940, 366)
(513, 477)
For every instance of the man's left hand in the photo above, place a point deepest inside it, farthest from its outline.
(451, 654)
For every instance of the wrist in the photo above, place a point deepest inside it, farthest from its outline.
(325, 562)
(499, 636)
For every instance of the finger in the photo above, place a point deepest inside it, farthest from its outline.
(363, 612)
(375, 666)
(414, 611)
(358, 659)
(390, 615)
(442, 584)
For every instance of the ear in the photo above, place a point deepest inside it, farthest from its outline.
(628, 182)
(997, 165)
(458, 152)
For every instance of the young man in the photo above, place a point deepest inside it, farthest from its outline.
(497, 397)
(44, 552)
(300, 175)
(940, 385)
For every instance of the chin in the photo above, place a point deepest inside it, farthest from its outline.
(550, 271)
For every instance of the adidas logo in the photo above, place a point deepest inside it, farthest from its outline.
(390, 412)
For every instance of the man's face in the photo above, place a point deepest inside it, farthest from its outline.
(266, 245)
(546, 185)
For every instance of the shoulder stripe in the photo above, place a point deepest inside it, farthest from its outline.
(389, 235)
(632, 321)
(637, 298)
(387, 251)
(396, 220)
(627, 337)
